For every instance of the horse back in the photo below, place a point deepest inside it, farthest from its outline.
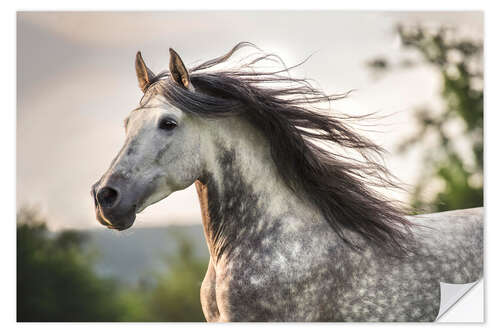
(454, 240)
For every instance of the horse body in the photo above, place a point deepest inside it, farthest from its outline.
(293, 232)
(284, 262)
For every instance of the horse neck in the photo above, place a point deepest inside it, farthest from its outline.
(241, 191)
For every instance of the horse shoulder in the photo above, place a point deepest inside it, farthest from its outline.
(279, 278)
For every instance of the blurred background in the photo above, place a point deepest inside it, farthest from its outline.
(422, 72)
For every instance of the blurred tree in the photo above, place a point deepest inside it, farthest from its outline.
(55, 280)
(176, 295)
(454, 162)
(171, 296)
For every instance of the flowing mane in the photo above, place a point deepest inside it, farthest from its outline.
(287, 112)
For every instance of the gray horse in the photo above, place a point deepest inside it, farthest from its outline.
(296, 231)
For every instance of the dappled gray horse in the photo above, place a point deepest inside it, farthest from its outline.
(296, 230)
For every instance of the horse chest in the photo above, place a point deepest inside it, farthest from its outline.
(208, 295)
(245, 291)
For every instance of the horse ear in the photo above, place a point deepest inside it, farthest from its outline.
(144, 74)
(178, 70)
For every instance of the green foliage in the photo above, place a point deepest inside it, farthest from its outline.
(56, 281)
(173, 296)
(455, 162)
(176, 296)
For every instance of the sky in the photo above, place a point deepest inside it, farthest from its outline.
(76, 83)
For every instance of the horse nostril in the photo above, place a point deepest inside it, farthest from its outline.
(107, 196)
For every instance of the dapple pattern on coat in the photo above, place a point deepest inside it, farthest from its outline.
(285, 269)
(294, 230)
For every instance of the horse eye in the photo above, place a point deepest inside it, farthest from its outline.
(167, 124)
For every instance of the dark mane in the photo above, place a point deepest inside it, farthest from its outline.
(287, 112)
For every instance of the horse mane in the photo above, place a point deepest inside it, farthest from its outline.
(286, 110)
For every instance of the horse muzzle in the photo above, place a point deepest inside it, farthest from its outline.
(112, 209)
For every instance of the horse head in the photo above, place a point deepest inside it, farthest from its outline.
(161, 153)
